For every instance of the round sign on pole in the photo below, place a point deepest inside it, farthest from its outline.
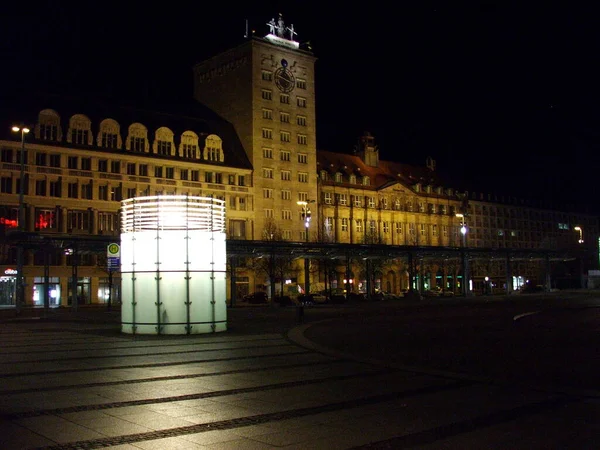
(113, 250)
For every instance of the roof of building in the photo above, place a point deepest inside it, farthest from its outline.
(180, 116)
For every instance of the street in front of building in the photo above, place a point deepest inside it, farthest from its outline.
(498, 372)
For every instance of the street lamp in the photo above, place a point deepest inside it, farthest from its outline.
(306, 216)
(465, 258)
(21, 221)
(580, 234)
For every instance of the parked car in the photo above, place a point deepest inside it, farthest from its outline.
(256, 298)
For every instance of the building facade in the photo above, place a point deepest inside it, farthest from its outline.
(249, 138)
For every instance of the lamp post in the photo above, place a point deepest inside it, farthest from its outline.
(465, 258)
(580, 241)
(306, 216)
(21, 221)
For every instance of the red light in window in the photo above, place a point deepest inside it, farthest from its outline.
(8, 222)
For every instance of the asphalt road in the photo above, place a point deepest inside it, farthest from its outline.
(550, 342)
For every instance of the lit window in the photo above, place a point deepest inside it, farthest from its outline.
(344, 224)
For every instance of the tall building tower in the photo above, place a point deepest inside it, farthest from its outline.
(266, 88)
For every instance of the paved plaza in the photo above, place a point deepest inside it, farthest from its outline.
(73, 381)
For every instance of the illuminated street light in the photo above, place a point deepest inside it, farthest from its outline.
(20, 297)
(306, 216)
(465, 257)
(580, 234)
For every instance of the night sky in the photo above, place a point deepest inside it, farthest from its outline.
(504, 98)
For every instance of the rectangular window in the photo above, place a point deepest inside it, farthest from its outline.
(301, 120)
(267, 114)
(286, 175)
(342, 199)
(143, 170)
(267, 153)
(344, 224)
(40, 187)
(107, 221)
(284, 117)
(6, 185)
(284, 136)
(327, 198)
(78, 220)
(445, 230)
(434, 230)
(6, 155)
(267, 133)
(158, 171)
(79, 137)
(208, 177)
(411, 229)
(286, 214)
(301, 102)
(55, 161)
(102, 192)
(130, 168)
(386, 227)
(86, 191)
(267, 172)
(357, 201)
(196, 175)
(170, 173)
(40, 159)
(302, 158)
(284, 155)
(102, 165)
(137, 144)
(302, 140)
(303, 177)
(267, 75)
(115, 166)
(109, 140)
(241, 180)
(72, 190)
(190, 151)
(300, 83)
(302, 196)
(163, 148)
(329, 224)
(268, 213)
(370, 202)
(267, 193)
(55, 189)
(131, 192)
(372, 226)
(267, 94)
(287, 235)
(72, 162)
(45, 219)
(86, 163)
(359, 225)
(286, 195)
(48, 132)
(184, 174)
(398, 227)
(284, 98)
(423, 229)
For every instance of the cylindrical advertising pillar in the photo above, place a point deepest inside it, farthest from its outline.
(173, 265)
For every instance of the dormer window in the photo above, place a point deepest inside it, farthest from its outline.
(108, 136)
(189, 146)
(417, 187)
(338, 177)
(213, 149)
(163, 142)
(137, 139)
(49, 126)
(80, 132)
(352, 179)
(324, 176)
(366, 181)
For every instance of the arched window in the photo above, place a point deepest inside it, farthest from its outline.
(80, 130)
(48, 127)
(137, 138)
(213, 149)
(188, 148)
(163, 142)
(109, 134)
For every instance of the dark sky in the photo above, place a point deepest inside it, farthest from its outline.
(505, 98)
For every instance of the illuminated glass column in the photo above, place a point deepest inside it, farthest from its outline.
(173, 265)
